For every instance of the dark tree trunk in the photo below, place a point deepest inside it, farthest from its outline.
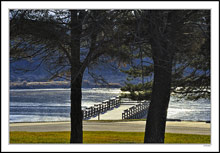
(76, 84)
(156, 120)
(76, 113)
(162, 53)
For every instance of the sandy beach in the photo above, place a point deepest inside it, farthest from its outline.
(184, 127)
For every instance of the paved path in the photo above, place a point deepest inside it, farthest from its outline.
(201, 128)
(115, 114)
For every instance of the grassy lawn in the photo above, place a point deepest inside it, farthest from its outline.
(97, 137)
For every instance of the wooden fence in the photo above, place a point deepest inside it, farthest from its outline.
(103, 107)
(136, 112)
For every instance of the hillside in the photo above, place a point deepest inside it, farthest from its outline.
(40, 78)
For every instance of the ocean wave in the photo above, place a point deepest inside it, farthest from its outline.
(36, 118)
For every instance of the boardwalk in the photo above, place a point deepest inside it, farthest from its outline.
(116, 109)
(115, 114)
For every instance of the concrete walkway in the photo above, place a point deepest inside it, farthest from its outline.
(115, 114)
(183, 127)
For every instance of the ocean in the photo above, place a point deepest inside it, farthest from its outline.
(37, 105)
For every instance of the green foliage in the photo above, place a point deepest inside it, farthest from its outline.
(139, 72)
(137, 95)
(189, 32)
(137, 87)
(138, 91)
(136, 71)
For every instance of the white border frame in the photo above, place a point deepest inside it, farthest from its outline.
(214, 6)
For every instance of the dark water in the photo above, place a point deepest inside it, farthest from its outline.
(31, 105)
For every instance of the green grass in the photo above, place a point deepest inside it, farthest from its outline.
(97, 137)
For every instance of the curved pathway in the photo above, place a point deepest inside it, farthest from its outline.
(184, 127)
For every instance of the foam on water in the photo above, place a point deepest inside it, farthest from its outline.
(37, 118)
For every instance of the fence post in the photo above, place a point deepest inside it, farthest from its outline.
(89, 111)
(100, 108)
(98, 115)
(126, 114)
(84, 114)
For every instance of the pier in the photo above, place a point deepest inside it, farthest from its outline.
(116, 109)
(137, 111)
(101, 108)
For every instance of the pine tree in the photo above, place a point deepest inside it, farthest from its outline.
(179, 44)
(67, 42)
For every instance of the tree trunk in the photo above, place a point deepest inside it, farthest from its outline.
(156, 119)
(76, 111)
(76, 84)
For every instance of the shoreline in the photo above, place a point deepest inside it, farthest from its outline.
(129, 120)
